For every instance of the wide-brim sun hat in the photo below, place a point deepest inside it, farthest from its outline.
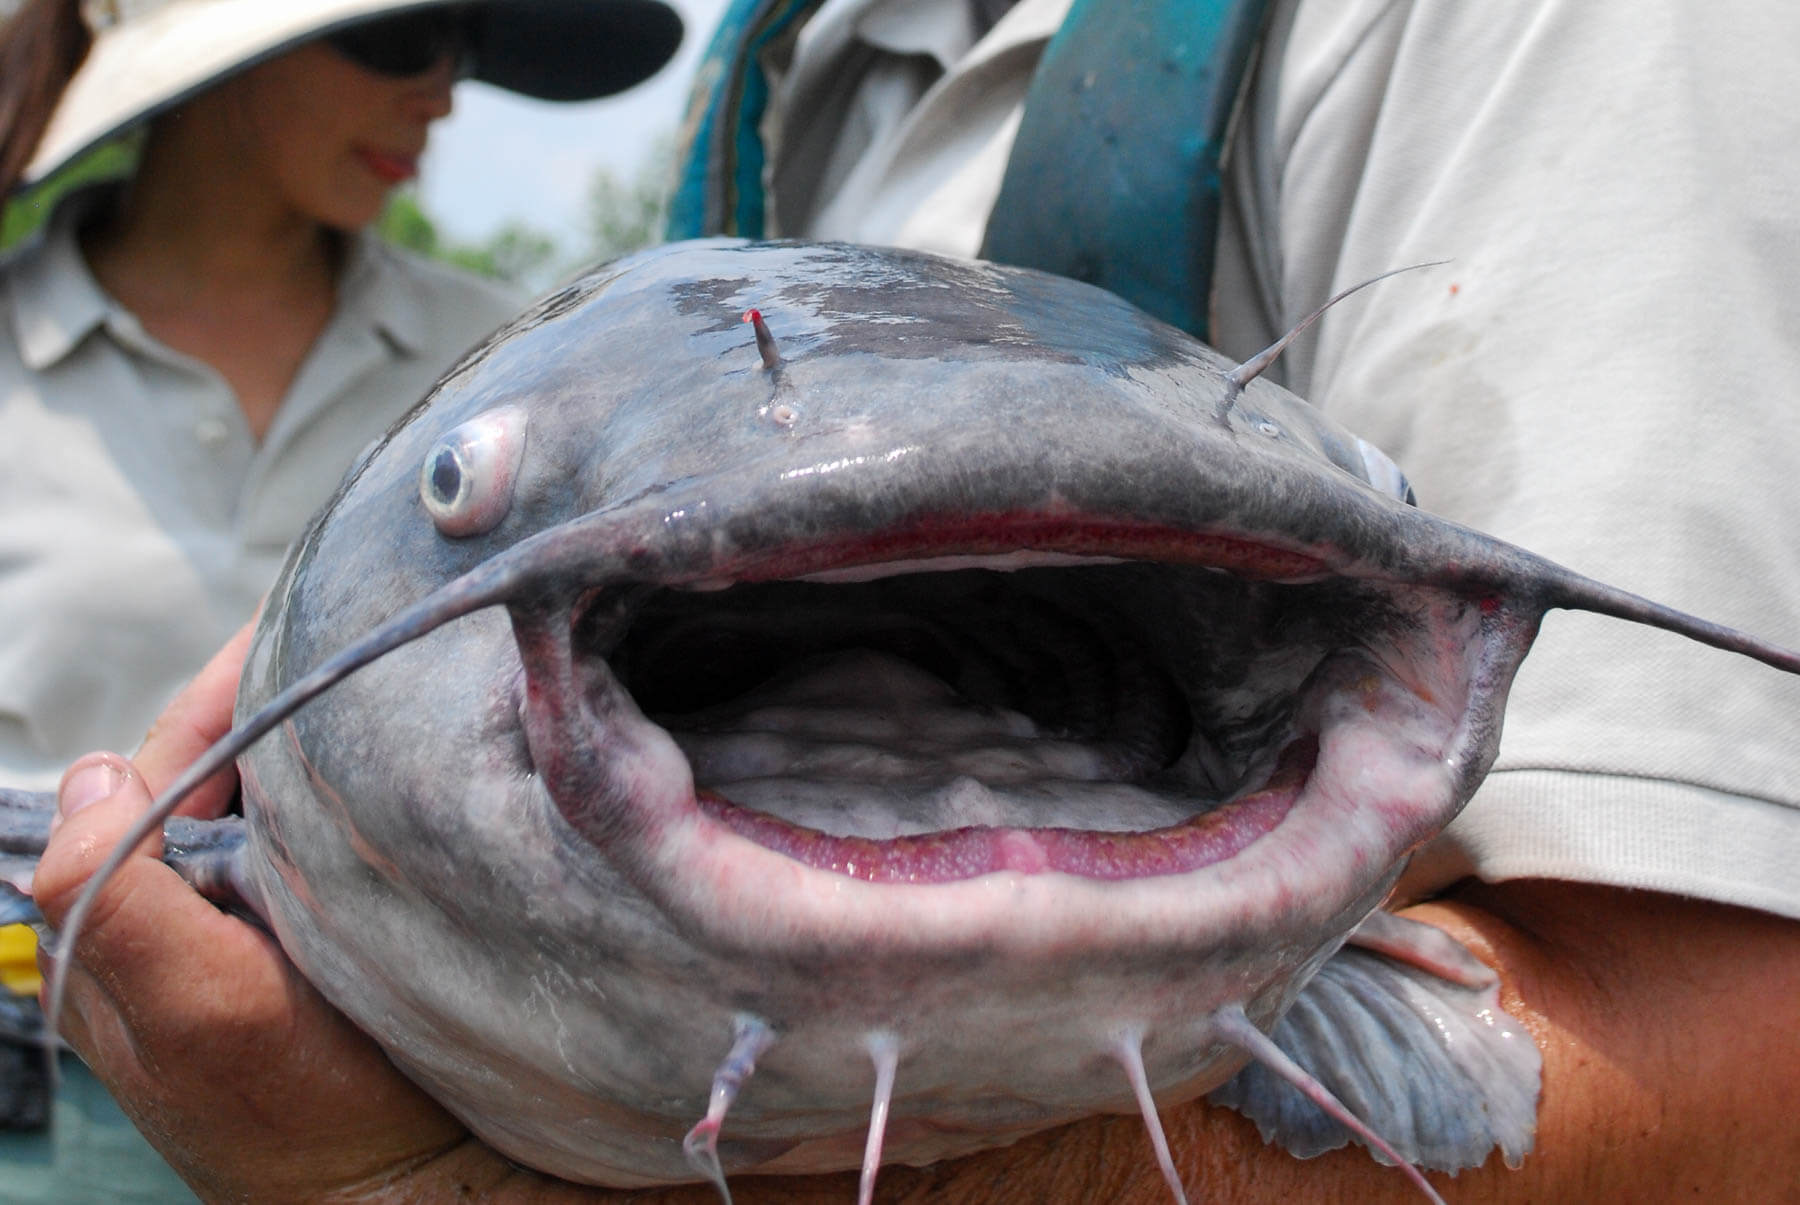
(148, 56)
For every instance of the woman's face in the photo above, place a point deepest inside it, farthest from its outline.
(324, 136)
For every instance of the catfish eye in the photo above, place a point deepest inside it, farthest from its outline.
(466, 482)
(1384, 474)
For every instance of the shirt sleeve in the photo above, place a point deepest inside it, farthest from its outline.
(1604, 373)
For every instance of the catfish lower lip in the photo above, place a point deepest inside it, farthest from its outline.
(970, 852)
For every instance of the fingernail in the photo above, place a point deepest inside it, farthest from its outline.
(88, 784)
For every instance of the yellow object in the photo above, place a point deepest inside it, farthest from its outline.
(18, 960)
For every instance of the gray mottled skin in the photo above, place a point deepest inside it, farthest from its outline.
(481, 850)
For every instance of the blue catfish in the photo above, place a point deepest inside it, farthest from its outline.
(806, 704)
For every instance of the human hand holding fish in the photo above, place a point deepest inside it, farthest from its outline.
(241, 1074)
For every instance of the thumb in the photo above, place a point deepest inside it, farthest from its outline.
(93, 778)
(101, 796)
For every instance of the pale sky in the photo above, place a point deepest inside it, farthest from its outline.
(501, 157)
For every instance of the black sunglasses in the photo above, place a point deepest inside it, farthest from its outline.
(407, 44)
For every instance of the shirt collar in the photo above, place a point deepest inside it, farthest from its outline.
(375, 292)
(56, 302)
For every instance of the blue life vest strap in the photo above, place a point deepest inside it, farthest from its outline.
(1114, 178)
(720, 186)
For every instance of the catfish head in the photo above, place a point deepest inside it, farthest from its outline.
(950, 696)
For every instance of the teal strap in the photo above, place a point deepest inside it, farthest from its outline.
(720, 188)
(1114, 178)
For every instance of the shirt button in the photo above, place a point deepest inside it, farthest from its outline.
(212, 432)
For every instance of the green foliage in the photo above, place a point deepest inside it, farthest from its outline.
(516, 252)
(623, 215)
(404, 224)
(626, 216)
(30, 209)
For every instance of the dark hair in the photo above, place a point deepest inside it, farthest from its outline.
(40, 48)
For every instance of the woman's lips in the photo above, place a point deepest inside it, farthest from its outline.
(395, 169)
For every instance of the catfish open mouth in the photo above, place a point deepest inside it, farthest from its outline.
(939, 720)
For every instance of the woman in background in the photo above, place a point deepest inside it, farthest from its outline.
(191, 358)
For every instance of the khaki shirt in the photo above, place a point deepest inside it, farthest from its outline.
(140, 524)
(1605, 374)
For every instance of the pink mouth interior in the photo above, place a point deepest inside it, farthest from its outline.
(965, 853)
(955, 711)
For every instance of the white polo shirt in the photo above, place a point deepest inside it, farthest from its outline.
(1605, 374)
(140, 524)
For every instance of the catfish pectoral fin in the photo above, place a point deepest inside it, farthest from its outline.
(1435, 1067)
(24, 827)
(206, 853)
(16, 906)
